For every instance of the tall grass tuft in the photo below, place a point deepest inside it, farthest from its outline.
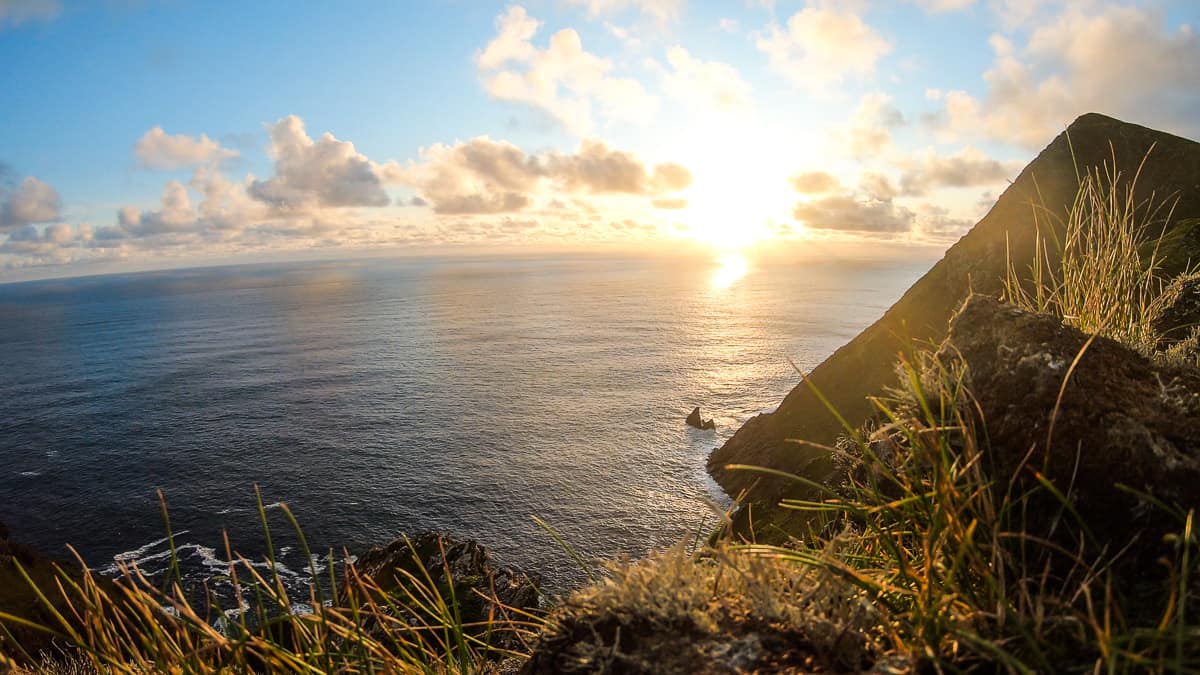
(958, 568)
(138, 626)
(1099, 269)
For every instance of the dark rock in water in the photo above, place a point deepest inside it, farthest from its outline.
(695, 420)
(865, 365)
(484, 590)
(1121, 419)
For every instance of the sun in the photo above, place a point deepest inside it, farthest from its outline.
(738, 192)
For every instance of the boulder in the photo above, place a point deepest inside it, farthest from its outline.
(695, 420)
(978, 261)
(484, 589)
(1120, 420)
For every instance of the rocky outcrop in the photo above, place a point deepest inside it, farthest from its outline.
(977, 261)
(22, 643)
(462, 569)
(695, 420)
(1179, 317)
(1119, 420)
(619, 641)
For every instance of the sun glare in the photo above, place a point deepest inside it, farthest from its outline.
(737, 193)
(731, 267)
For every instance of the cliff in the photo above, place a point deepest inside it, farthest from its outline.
(977, 262)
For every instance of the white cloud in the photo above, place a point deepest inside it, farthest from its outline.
(32, 201)
(814, 182)
(322, 173)
(869, 133)
(484, 176)
(58, 243)
(1118, 60)
(562, 80)
(940, 6)
(967, 168)
(17, 12)
(175, 214)
(852, 214)
(823, 45)
(158, 150)
(706, 85)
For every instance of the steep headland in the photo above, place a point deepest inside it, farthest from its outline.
(977, 262)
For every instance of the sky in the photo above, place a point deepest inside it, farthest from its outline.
(138, 134)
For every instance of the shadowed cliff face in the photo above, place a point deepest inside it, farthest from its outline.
(977, 261)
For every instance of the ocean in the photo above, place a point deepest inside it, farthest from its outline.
(380, 397)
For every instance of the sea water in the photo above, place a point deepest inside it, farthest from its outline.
(383, 397)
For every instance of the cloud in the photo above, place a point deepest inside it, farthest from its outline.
(46, 244)
(821, 45)
(968, 168)
(563, 80)
(705, 85)
(670, 204)
(851, 214)
(158, 150)
(1120, 60)
(322, 173)
(814, 182)
(32, 201)
(597, 169)
(175, 214)
(18, 12)
(877, 186)
(483, 176)
(661, 10)
(933, 221)
(869, 133)
(941, 6)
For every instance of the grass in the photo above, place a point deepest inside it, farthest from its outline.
(961, 568)
(917, 555)
(1100, 270)
(950, 558)
(138, 626)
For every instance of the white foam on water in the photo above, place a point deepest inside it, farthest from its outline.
(31, 474)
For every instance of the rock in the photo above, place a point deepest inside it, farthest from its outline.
(483, 588)
(18, 599)
(1121, 419)
(977, 261)
(622, 642)
(1180, 315)
(695, 420)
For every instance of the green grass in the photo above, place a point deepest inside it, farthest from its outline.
(917, 549)
(944, 551)
(138, 626)
(1101, 270)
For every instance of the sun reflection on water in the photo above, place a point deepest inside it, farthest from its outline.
(731, 267)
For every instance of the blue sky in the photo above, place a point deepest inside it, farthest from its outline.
(165, 133)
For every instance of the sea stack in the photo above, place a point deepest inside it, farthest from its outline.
(695, 420)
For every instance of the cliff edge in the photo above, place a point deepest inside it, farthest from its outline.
(977, 262)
